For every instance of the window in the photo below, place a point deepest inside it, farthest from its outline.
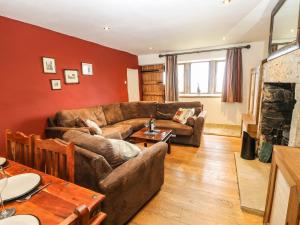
(201, 78)
(180, 72)
(219, 76)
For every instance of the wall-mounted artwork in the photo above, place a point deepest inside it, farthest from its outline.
(55, 84)
(87, 69)
(71, 76)
(49, 65)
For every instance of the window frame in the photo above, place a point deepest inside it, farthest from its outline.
(212, 77)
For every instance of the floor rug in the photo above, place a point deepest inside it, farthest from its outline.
(223, 130)
(253, 177)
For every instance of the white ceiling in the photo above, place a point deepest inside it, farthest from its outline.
(136, 25)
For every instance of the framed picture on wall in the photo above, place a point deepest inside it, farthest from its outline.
(71, 76)
(87, 69)
(49, 65)
(55, 84)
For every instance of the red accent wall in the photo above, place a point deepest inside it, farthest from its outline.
(26, 99)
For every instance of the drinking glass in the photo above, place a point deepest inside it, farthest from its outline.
(3, 182)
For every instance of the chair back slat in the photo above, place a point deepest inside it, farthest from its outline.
(19, 147)
(55, 158)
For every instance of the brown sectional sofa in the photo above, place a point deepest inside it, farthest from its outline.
(129, 186)
(126, 188)
(120, 120)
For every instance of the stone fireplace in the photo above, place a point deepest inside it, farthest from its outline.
(279, 119)
(276, 112)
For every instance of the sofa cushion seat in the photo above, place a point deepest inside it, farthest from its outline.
(136, 124)
(124, 130)
(178, 128)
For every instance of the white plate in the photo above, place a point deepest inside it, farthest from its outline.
(2, 161)
(20, 185)
(20, 220)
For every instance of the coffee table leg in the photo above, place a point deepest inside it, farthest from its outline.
(169, 146)
(145, 145)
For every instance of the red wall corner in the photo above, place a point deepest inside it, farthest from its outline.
(26, 99)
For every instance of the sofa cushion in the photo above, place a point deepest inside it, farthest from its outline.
(96, 144)
(67, 118)
(182, 115)
(126, 149)
(146, 109)
(91, 124)
(136, 124)
(163, 116)
(171, 108)
(124, 130)
(129, 110)
(178, 128)
(113, 113)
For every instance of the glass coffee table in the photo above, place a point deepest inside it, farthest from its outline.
(159, 135)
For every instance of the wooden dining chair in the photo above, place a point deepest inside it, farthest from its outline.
(19, 147)
(55, 158)
(81, 216)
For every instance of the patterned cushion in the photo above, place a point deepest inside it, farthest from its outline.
(182, 115)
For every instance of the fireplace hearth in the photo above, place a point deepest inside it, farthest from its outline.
(276, 112)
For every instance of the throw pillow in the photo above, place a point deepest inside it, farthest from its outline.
(80, 122)
(92, 124)
(96, 144)
(182, 115)
(125, 149)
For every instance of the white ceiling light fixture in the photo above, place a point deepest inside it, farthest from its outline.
(150, 48)
(224, 38)
(226, 2)
(292, 30)
(107, 28)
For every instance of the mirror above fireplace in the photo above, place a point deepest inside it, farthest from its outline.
(284, 31)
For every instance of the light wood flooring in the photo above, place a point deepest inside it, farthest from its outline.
(200, 187)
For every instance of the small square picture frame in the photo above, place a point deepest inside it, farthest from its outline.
(71, 76)
(55, 84)
(49, 65)
(87, 69)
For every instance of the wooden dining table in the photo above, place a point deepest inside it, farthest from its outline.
(57, 202)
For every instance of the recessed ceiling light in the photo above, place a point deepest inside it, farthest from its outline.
(107, 28)
(224, 38)
(150, 48)
(292, 30)
(226, 1)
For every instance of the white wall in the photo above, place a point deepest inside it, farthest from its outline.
(218, 112)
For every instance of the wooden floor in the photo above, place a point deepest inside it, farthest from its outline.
(200, 187)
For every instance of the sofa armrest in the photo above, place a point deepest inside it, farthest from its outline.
(198, 128)
(192, 120)
(90, 168)
(128, 171)
(130, 185)
(58, 132)
(202, 114)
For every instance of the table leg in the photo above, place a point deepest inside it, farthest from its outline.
(145, 144)
(169, 146)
